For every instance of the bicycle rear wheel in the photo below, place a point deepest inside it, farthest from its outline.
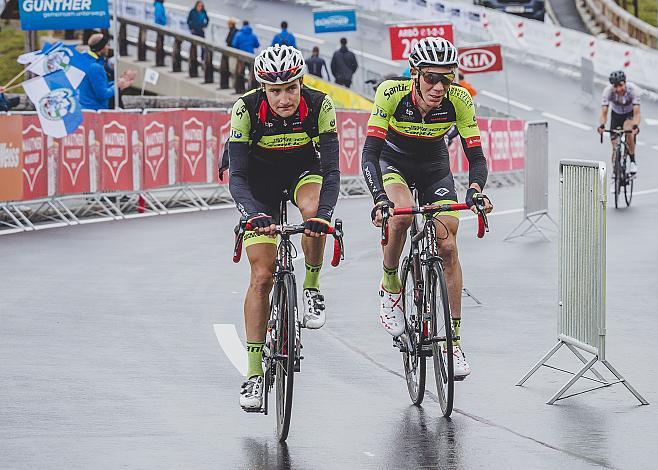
(441, 337)
(285, 353)
(412, 356)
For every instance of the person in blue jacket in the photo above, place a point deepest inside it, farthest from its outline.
(197, 19)
(96, 90)
(245, 39)
(160, 12)
(284, 38)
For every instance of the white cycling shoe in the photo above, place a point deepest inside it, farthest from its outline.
(460, 365)
(632, 168)
(391, 313)
(251, 394)
(314, 314)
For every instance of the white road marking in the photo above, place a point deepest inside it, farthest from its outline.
(641, 144)
(229, 341)
(655, 147)
(376, 58)
(567, 121)
(646, 191)
(503, 99)
(651, 122)
(369, 454)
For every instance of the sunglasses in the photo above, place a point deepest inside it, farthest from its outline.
(283, 75)
(432, 78)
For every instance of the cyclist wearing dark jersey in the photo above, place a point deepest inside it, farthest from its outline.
(272, 149)
(405, 146)
(623, 97)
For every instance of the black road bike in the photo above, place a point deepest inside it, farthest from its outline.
(622, 178)
(282, 350)
(428, 329)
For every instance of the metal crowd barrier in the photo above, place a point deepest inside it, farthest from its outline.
(535, 191)
(581, 273)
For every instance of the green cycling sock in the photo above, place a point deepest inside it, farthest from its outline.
(456, 326)
(312, 279)
(255, 359)
(391, 281)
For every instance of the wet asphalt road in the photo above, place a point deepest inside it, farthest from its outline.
(108, 357)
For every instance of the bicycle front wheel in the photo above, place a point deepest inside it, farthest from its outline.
(441, 337)
(412, 354)
(286, 347)
(628, 190)
(618, 177)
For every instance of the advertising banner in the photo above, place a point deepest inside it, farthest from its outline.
(119, 139)
(37, 15)
(35, 159)
(11, 161)
(192, 164)
(404, 37)
(155, 164)
(334, 21)
(73, 171)
(352, 127)
(480, 59)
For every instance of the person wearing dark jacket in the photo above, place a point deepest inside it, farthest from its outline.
(315, 64)
(232, 31)
(245, 39)
(6, 104)
(284, 38)
(197, 19)
(343, 64)
(160, 13)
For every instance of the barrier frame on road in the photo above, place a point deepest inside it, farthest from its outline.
(582, 276)
(535, 186)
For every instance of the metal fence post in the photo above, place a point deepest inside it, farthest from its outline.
(581, 277)
(535, 188)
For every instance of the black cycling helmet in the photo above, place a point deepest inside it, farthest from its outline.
(617, 77)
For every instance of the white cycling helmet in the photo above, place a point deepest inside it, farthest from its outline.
(430, 52)
(278, 64)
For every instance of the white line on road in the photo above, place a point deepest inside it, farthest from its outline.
(651, 122)
(369, 454)
(646, 191)
(297, 35)
(376, 58)
(655, 147)
(496, 97)
(567, 121)
(641, 144)
(229, 341)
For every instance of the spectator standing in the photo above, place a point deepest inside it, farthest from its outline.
(246, 41)
(284, 38)
(315, 64)
(7, 103)
(224, 66)
(160, 13)
(466, 85)
(197, 19)
(343, 64)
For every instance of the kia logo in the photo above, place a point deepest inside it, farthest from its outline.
(477, 60)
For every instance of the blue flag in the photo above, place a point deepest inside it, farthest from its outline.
(57, 56)
(57, 103)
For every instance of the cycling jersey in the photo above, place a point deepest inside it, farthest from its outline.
(264, 146)
(621, 104)
(396, 121)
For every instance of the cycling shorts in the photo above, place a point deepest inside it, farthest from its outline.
(434, 184)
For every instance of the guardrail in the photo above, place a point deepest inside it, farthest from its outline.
(620, 24)
(181, 47)
(582, 277)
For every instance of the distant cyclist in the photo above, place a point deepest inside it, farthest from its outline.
(405, 146)
(272, 148)
(624, 99)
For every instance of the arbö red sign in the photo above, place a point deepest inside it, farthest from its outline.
(404, 37)
(479, 59)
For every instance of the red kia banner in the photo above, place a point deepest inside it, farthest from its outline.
(352, 127)
(404, 37)
(155, 165)
(35, 159)
(479, 59)
(119, 140)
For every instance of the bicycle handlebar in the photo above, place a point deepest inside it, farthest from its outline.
(292, 229)
(483, 224)
(615, 131)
